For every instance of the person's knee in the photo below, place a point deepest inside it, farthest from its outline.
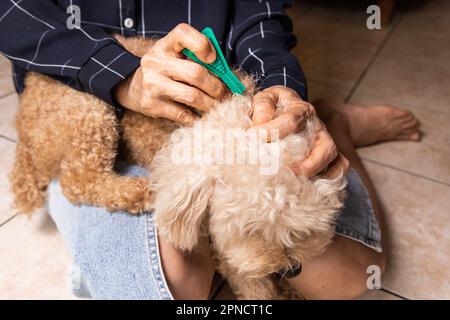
(189, 275)
(191, 285)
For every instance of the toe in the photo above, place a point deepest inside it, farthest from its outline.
(401, 112)
(416, 136)
(410, 136)
(412, 123)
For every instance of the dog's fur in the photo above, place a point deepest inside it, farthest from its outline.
(74, 136)
(259, 224)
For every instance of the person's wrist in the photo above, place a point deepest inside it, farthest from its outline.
(122, 92)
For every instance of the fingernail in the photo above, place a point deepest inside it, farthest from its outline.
(210, 58)
(212, 55)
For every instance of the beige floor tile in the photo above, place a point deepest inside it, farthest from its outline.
(8, 107)
(332, 47)
(378, 295)
(408, 44)
(430, 157)
(339, 25)
(34, 263)
(328, 62)
(6, 160)
(432, 18)
(317, 90)
(417, 215)
(6, 82)
(406, 81)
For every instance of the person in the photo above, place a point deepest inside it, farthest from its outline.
(121, 256)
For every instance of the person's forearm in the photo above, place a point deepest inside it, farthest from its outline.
(260, 42)
(34, 36)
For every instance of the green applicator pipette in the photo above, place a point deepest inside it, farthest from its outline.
(220, 66)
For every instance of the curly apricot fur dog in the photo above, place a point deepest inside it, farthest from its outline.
(74, 136)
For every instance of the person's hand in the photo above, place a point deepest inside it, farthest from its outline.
(166, 82)
(324, 158)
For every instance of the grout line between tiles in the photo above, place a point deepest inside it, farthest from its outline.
(7, 139)
(394, 294)
(7, 94)
(8, 220)
(374, 58)
(417, 175)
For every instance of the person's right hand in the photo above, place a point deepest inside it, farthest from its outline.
(166, 82)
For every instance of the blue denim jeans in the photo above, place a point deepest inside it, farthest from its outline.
(116, 255)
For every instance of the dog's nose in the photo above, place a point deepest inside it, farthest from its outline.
(291, 272)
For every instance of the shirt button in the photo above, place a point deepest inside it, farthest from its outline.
(129, 23)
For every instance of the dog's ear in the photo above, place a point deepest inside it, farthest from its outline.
(180, 208)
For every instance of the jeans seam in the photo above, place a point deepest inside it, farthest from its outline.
(368, 204)
(155, 262)
(346, 232)
(374, 245)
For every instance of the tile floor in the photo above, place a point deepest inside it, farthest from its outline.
(405, 63)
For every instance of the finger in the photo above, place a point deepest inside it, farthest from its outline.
(289, 101)
(282, 126)
(197, 76)
(185, 36)
(339, 166)
(187, 95)
(291, 120)
(320, 157)
(264, 107)
(174, 112)
(281, 92)
(299, 108)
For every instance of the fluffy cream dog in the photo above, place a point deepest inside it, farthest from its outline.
(262, 219)
(263, 223)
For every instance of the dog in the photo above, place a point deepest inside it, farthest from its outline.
(75, 136)
(262, 225)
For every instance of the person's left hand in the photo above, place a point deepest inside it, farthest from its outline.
(324, 158)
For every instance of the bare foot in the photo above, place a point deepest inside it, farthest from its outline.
(373, 124)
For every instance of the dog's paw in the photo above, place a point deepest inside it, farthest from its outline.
(133, 197)
(141, 201)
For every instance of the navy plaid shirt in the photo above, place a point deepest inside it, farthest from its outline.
(255, 35)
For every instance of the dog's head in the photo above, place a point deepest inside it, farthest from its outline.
(260, 222)
(273, 225)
